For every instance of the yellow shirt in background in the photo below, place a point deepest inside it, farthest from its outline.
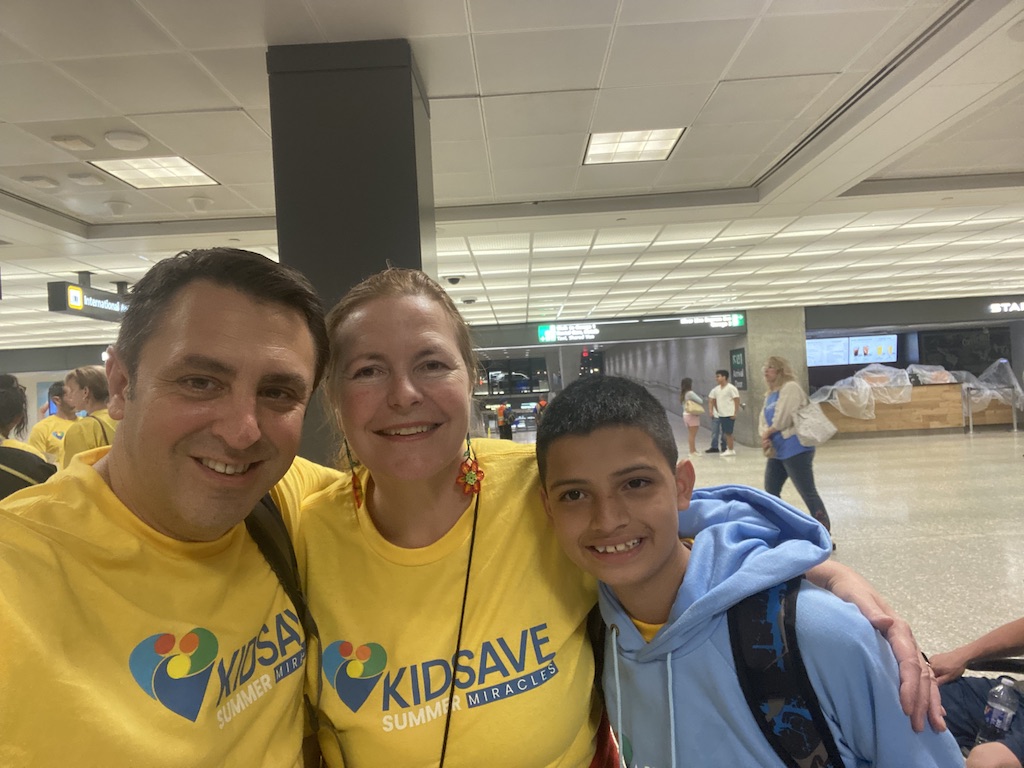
(47, 436)
(92, 431)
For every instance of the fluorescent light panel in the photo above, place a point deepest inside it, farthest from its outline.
(631, 146)
(155, 172)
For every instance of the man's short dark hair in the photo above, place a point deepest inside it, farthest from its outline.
(56, 390)
(594, 402)
(722, 372)
(249, 273)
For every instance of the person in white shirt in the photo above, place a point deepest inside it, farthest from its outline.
(725, 402)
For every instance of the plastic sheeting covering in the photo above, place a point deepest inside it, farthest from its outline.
(856, 396)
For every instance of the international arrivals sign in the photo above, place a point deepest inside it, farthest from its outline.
(85, 301)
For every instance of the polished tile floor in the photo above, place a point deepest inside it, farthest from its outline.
(935, 522)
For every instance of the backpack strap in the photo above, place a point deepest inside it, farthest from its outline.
(266, 527)
(103, 427)
(771, 672)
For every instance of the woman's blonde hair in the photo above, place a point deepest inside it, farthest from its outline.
(782, 367)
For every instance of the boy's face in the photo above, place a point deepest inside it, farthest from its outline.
(722, 380)
(613, 501)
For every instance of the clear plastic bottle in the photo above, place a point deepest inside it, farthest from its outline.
(999, 712)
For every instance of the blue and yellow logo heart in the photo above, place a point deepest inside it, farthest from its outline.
(353, 671)
(175, 671)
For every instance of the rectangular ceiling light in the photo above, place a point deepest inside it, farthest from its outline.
(631, 146)
(152, 172)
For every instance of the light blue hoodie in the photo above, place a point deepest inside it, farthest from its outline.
(676, 702)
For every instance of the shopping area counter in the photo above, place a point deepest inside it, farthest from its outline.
(934, 406)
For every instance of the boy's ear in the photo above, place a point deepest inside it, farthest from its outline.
(686, 478)
(544, 499)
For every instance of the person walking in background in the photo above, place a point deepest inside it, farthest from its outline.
(505, 421)
(47, 436)
(724, 401)
(86, 390)
(20, 464)
(788, 458)
(693, 407)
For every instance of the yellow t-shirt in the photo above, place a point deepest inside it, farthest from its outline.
(47, 436)
(92, 431)
(389, 616)
(123, 647)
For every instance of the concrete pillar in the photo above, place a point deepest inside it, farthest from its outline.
(779, 332)
(352, 171)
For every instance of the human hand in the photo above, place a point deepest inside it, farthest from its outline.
(947, 666)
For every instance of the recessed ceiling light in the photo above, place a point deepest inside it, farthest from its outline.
(118, 207)
(40, 182)
(126, 141)
(152, 172)
(200, 204)
(73, 143)
(631, 146)
(86, 179)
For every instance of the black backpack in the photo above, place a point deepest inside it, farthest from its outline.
(21, 469)
(771, 672)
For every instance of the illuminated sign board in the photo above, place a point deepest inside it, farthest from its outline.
(550, 334)
(85, 301)
(724, 320)
(1006, 306)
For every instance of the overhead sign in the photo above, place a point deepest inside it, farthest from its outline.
(726, 320)
(85, 301)
(550, 334)
(738, 367)
(1006, 306)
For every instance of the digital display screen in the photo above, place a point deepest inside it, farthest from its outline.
(851, 350)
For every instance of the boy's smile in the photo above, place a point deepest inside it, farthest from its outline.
(613, 501)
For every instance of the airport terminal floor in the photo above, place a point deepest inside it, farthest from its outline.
(933, 521)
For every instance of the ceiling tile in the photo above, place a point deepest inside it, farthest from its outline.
(527, 62)
(93, 130)
(624, 175)
(240, 71)
(683, 52)
(459, 157)
(261, 116)
(35, 91)
(723, 140)
(461, 186)
(18, 147)
(223, 201)
(762, 99)
(807, 44)
(445, 64)
(534, 181)
(538, 114)
(234, 23)
(190, 134)
(649, 107)
(456, 120)
(374, 20)
(11, 51)
(153, 83)
(503, 16)
(538, 151)
(662, 11)
(94, 28)
(238, 168)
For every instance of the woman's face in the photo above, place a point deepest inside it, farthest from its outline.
(402, 388)
(770, 375)
(73, 394)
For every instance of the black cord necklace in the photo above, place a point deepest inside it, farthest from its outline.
(458, 638)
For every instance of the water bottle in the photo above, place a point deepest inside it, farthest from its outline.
(999, 712)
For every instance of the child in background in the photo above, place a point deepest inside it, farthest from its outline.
(607, 461)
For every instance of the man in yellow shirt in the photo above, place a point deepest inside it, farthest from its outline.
(141, 623)
(47, 436)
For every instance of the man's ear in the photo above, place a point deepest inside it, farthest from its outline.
(117, 381)
(686, 478)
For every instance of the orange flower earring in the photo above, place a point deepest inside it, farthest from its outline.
(470, 473)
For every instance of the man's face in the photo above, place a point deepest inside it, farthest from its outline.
(212, 418)
(613, 501)
(722, 380)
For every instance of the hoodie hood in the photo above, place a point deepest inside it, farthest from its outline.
(744, 541)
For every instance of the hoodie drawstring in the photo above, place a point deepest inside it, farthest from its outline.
(618, 696)
(671, 712)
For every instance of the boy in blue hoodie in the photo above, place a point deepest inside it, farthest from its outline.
(607, 460)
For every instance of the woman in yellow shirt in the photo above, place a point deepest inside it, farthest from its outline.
(86, 389)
